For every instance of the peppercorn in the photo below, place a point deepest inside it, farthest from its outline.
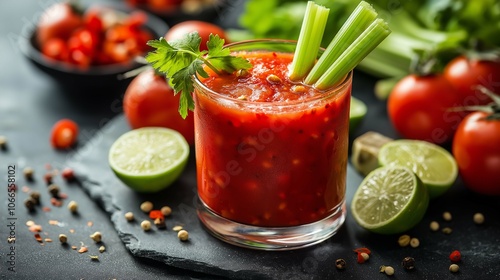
(68, 174)
(447, 216)
(160, 223)
(478, 218)
(183, 235)
(30, 203)
(3, 142)
(455, 256)
(129, 216)
(408, 263)
(434, 226)
(340, 264)
(35, 196)
(404, 240)
(363, 257)
(414, 242)
(102, 249)
(63, 238)
(96, 236)
(177, 228)
(447, 230)
(389, 270)
(28, 173)
(381, 269)
(48, 178)
(454, 268)
(54, 190)
(146, 225)
(166, 211)
(146, 206)
(73, 206)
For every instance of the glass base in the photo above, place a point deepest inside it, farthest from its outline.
(271, 238)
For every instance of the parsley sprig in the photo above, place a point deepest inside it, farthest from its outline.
(181, 59)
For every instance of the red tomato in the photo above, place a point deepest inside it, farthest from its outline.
(64, 134)
(464, 74)
(476, 148)
(203, 28)
(58, 21)
(418, 108)
(55, 48)
(150, 101)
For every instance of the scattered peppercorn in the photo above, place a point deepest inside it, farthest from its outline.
(102, 249)
(447, 230)
(455, 256)
(177, 228)
(63, 238)
(183, 235)
(54, 190)
(3, 142)
(478, 218)
(404, 240)
(73, 206)
(28, 173)
(408, 263)
(160, 223)
(48, 178)
(129, 216)
(414, 242)
(389, 270)
(454, 268)
(68, 174)
(340, 264)
(96, 236)
(381, 269)
(30, 203)
(146, 206)
(434, 226)
(447, 216)
(166, 211)
(146, 225)
(35, 195)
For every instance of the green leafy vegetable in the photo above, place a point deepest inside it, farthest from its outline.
(179, 60)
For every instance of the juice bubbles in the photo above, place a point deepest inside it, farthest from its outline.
(270, 153)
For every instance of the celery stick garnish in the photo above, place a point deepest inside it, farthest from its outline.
(362, 16)
(308, 43)
(352, 56)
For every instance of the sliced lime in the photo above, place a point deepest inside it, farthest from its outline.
(434, 165)
(390, 200)
(357, 113)
(149, 159)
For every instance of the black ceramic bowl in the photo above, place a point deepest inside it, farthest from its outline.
(93, 76)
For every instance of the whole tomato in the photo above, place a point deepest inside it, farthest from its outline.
(418, 108)
(150, 101)
(476, 148)
(204, 29)
(58, 21)
(465, 74)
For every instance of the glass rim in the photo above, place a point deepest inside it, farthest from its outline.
(340, 87)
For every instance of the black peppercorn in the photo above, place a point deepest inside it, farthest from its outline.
(408, 263)
(54, 190)
(340, 264)
(30, 203)
(35, 196)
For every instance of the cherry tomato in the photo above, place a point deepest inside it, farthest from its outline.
(418, 108)
(64, 134)
(55, 48)
(464, 74)
(150, 101)
(57, 21)
(476, 149)
(203, 28)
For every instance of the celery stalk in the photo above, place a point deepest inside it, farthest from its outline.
(311, 34)
(362, 16)
(352, 56)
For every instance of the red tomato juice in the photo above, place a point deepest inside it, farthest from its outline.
(271, 152)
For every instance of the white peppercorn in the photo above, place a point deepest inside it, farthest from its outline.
(447, 216)
(146, 206)
(478, 218)
(146, 225)
(414, 242)
(183, 235)
(454, 268)
(434, 226)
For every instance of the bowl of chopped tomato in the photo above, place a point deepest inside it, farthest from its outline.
(93, 46)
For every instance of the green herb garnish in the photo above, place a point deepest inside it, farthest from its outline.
(179, 60)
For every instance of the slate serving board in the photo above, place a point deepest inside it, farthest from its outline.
(204, 253)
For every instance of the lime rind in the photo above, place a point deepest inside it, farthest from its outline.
(390, 200)
(433, 164)
(357, 113)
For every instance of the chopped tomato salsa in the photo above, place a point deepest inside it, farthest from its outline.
(271, 152)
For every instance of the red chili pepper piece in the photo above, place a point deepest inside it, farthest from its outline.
(360, 258)
(362, 250)
(154, 214)
(455, 256)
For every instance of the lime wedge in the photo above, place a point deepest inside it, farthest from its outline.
(149, 159)
(357, 113)
(434, 165)
(390, 200)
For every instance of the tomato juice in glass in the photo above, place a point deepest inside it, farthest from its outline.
(271, 154)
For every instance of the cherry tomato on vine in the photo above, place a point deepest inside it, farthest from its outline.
(204, 29)
(64, 134)
(58, 21)
(418, 108)
(476, 148)
(150, 101)
(465, 74)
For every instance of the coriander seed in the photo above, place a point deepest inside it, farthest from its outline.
(454, 268)
(63, 238)
(129, 216)
(340, 264)
(478, 218)
(146, 206)
(28, 173)
(404, 240)
(447, 216)
(183, 235)
(146, 225)
(414, 242)
(434, 226)
(166, 211)
(54, 190)
(408, 263)
(389, 270)
(73, 206)
(30, 203)
(96, 236)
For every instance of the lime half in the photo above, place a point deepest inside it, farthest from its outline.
(434, 165)
(149, 159)
(390, 200)
(357, 113)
